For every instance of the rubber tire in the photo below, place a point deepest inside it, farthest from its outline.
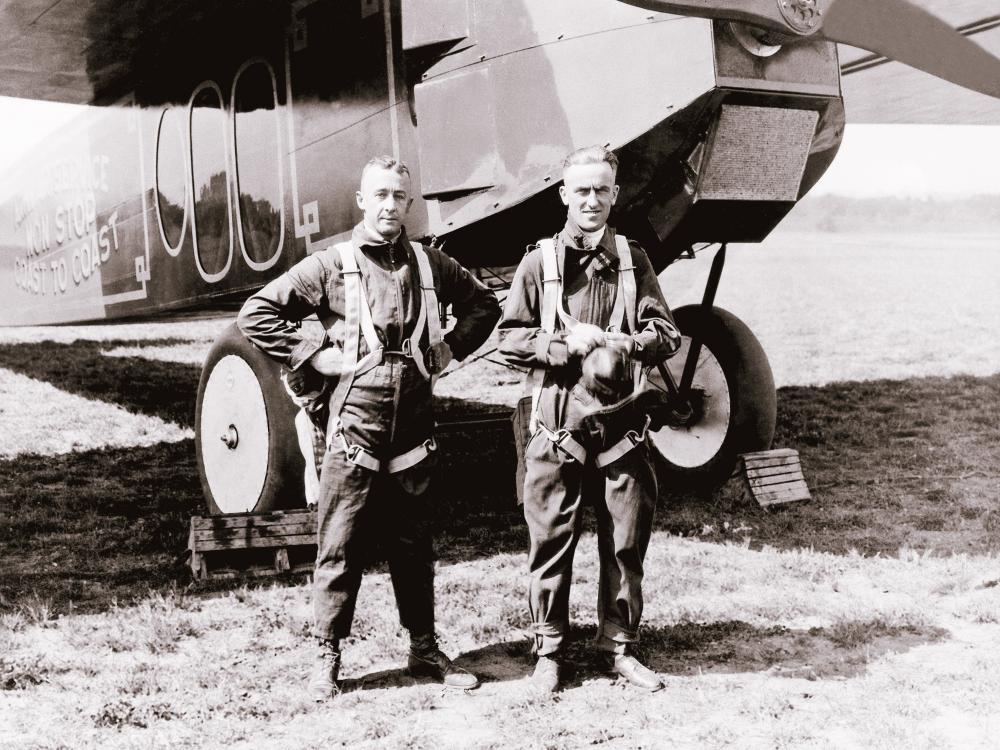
(752, 396)
(283, 483)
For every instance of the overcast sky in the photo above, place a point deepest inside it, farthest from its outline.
(875, 160)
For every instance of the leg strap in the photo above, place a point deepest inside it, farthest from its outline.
(361, 456)
(412, 457)
(565, 442)
(356, 454)
(623, 446)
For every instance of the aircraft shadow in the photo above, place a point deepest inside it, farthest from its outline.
(158, 389)
(691, 649)
(880, 457)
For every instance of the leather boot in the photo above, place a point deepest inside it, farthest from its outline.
(427, 660)
(633, 670)
(548, 674)
(323, 678)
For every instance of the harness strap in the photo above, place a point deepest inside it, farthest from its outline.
(631, 440)
(357, 322)
(358, 454)
(428, 316)
(551, 293)
(625, 308)
(565, 442)
(627, 291)
(412, 457)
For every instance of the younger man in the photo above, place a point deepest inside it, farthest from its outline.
(584, 270)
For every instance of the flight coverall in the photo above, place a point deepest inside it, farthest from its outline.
(387, 411)
(623, 493)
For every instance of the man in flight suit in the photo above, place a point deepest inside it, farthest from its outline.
(623, 492)
(383, 415)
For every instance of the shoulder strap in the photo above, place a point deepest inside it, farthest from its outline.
(428, 316)
(357, 322)
(551, 284)
(627, 292)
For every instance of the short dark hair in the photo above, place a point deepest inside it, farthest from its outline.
(592, 155)
(385, 162)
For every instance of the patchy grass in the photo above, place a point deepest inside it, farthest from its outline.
(869, 617)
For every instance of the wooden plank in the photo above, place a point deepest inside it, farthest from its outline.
(256, 542)
(255, 532)
(765, 462)
(774, 453)
(774, 483)
(774, 471)
(257, 571)
(793, 493)
(763, 482)
(260, 519)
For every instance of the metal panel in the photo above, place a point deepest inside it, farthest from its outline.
(810, 68)
(758, 153)
(457, 133)
(428, 22)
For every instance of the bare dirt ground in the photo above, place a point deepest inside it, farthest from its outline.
(869, 617)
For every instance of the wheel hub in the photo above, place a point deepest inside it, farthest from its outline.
(231, 437)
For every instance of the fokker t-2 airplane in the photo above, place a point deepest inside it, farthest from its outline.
(233, 132)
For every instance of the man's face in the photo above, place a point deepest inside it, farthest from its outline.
(385, 198)
(589, 190)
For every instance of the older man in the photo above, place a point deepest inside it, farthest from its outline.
(377, 297)
(584, 289)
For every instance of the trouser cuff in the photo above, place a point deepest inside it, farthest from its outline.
(548, 638)
(423, 642)
(616, 639)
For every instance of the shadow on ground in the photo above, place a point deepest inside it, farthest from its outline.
(686, 649)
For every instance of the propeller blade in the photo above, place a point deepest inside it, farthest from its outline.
(902, 31)
(896, 29)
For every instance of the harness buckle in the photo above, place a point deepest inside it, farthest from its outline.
(407, 349)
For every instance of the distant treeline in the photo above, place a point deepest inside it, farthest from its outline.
(834, 213)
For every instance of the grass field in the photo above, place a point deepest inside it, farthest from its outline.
(869, 617)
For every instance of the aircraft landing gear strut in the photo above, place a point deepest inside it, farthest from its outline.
(722, 374)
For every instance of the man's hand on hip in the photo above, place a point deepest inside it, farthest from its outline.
(437, 358)
(327, 361)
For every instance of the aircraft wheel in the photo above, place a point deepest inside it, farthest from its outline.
(248, 454)
(734, 399)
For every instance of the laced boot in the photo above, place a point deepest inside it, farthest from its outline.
(427, 660)
(323, 678)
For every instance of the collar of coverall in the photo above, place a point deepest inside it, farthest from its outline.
(573, 238)
(364, 236)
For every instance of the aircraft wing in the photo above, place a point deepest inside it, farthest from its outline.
(877, 90)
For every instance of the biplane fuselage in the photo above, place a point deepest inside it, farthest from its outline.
(233, 148)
